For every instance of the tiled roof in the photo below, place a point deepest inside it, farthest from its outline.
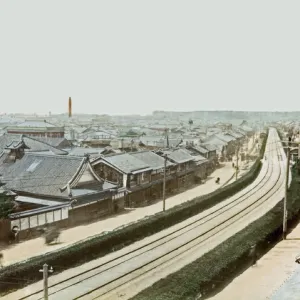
(180, 156)
(92, 189)
(224, 137)
(16, 145)
(234, 134)
(214, 140)
(39, 174)
(201, 149)
(126, 162)
(55, 142)
(81, 151)
(240, 130)
(211, 147)
(246, 128)
(159, 141)
(35, 124)
(153, 160)
(194, 154)
(33, 144)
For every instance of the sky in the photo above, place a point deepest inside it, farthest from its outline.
(134, 57)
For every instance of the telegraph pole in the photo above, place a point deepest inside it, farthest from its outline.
(164, 183)
(237, 162)
(45, 279)
(286, 190)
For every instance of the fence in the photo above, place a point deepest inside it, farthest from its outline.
(38, 217)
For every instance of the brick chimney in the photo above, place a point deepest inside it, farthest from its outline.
(70, 107)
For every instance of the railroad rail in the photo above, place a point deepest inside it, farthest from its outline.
(124, 273)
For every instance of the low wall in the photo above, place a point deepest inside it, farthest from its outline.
(89, 212)
(28, 222)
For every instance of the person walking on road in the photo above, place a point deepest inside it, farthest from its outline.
(1, 260)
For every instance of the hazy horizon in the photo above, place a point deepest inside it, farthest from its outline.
(144, 115)
(134, 57)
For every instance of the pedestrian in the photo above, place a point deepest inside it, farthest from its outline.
(1, 259)
(253, 255)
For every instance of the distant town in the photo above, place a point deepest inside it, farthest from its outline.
(61, 171)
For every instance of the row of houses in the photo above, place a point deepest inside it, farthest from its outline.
(51, 186)
(67, 181)
(223, 136)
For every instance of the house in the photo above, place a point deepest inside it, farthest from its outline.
(32, 144)
(157, 164)
(201, 150)
(141, 173)
(223, 125)
(231, 143)
(125, 144)
(131, 133)
(209, 151)
(218, 144)
(84, 151)
(99, 135)
(213, 130)
(185, 166)
(59, 143)
(212, 151)
(238, 136)
(248, 130)
(91, 152)
(65, 184)
(200, 162)
(190, 140)
(158, 142)
(40, 128)
(74, 132)
(127, 172)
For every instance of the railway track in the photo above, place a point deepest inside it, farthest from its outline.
(142, 263)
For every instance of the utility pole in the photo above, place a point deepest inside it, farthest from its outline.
(45, 279)
(131, 144)
(286, 190)
(237, 162)
(164, 183)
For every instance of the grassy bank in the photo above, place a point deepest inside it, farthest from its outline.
(103, 244)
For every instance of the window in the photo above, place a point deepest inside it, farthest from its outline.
(33, 166)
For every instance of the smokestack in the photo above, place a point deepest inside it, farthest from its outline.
(70, 107)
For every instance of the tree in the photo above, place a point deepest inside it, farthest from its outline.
(6, 204)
